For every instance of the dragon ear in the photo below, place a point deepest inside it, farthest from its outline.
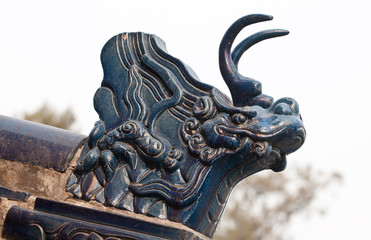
(242, 88)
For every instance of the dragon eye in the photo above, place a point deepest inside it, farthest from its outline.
(238, 118)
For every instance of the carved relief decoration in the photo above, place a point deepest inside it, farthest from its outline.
(168, 145)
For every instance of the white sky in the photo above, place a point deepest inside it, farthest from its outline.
(49, 51)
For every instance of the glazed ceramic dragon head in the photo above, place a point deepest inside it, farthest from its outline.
(170, 146)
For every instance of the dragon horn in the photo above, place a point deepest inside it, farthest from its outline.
(254, 39)
(242, 88)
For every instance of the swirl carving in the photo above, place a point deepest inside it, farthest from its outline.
(133, 131)
(196, 142)
(68, 231)
(204, 108)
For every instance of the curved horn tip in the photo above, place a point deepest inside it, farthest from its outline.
(283, 31)
(253, 39)
(264, 17)
(253, 18)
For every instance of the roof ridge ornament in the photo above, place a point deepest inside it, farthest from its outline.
(167, 145)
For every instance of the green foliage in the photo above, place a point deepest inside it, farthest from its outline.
(47, 115)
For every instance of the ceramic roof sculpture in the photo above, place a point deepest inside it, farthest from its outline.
(168, 149)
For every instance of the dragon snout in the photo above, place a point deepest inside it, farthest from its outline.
(291, 142)
(292, 135)
(297, 141)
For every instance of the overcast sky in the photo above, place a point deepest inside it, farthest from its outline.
(49, 52)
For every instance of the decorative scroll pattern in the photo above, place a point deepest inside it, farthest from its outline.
(76, 234)
(197, 143)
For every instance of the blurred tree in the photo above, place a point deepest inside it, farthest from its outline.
(262, 205)
(47, 115)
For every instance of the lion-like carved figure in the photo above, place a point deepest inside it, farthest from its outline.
(172, 147)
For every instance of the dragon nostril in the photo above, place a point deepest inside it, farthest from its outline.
(282, 109)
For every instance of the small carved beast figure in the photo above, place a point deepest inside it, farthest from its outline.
(172, 147)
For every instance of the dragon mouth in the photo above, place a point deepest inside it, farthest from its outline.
(269, 156)
(279, 161)
(235, 132)
(263, 149)
(300, 135)
(279, 146)
(227, 131)
(276, 156)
